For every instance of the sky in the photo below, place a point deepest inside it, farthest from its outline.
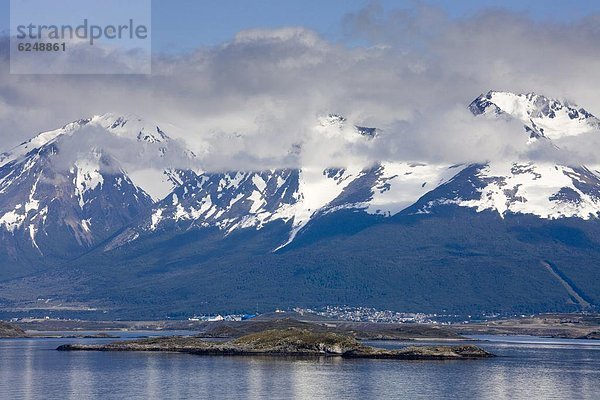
(183, 25)
(197, 25)
(249, 79)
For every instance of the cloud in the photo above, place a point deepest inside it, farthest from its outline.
(93, 141)
(411, 72)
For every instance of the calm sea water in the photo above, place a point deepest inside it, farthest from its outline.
(527, 368)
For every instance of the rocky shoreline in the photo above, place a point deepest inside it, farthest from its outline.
(287, 342)
(11, 331)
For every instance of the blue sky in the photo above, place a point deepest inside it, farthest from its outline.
(181, 25)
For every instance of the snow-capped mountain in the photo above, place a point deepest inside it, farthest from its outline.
(112, 213)
(542, 189)
(238, 200)
(545, 190)
(541, 116)
(241, 199)
(114, 175)
(68, 189)
(94, 177)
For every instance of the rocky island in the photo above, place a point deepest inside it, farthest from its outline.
(285, 342)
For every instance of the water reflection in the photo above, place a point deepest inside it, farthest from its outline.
(32, 369)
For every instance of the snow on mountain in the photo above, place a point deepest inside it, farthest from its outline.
(537, 188)
(249, 199)
(38, 141)
(50, 209)
(69, 180)
(145, 163)
(546, 190)
(542, 116)
(151, 165)
(400, 184)
(238, 200)
(73, 183)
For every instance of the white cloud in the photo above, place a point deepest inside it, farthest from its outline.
(249, 101)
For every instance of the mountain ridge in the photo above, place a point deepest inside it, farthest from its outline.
(69, 201)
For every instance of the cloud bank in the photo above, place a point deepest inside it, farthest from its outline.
(250, 102)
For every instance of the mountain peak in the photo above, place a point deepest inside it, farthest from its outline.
(340, 122)
(542, 116)
(126, 125)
